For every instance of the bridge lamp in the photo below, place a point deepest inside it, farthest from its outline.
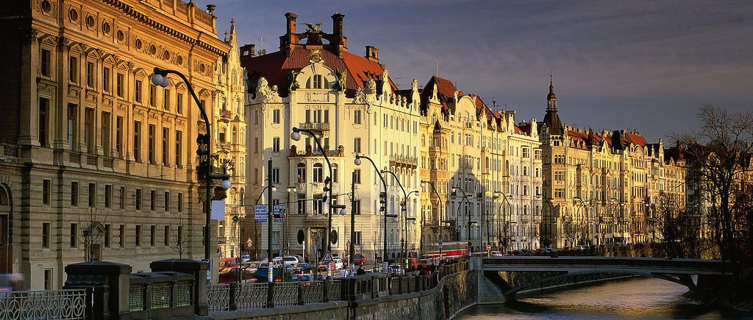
(226, 184)
(160, 78)
(357, 161)
(295, 135)
(291, 189)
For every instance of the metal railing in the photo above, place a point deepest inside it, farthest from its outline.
(249, 296)
(48, 304)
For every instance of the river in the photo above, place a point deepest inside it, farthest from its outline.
(640, 298)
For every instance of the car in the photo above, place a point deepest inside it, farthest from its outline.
(245, 258)
(496, 254)
(290, 260)
(262, 274)
(306, 277)
(338, 263)
(359, 259)
(236, 274)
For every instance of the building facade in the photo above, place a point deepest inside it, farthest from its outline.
(97, 163)
(602, 187)
(352, 106)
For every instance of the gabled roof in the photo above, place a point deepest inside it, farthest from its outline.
(276, 67)
(445, 93)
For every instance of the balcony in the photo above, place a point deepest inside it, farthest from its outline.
(315, 126)
(226, 115)
(310, 151)
(403, 161)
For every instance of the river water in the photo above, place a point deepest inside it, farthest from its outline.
(640, 298)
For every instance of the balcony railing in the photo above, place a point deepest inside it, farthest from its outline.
(315, 126)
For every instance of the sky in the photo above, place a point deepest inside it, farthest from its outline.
(643, 65)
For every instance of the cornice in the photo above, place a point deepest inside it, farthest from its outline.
(145, 19)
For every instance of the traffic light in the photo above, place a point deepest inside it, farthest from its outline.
(383, 201)
(202, 150)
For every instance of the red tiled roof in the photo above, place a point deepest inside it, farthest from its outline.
(636, 139)
(276, 67)
(445, 93)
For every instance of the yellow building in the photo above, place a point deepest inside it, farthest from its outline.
(97, 163)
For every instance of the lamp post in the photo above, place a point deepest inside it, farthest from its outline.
(271, 188)
(404, 212)
(414, 219)
(504, 218)
(547, 225)
(441, 221)
(205, 165)
(296, 135)
(357, 162)
(465, 199)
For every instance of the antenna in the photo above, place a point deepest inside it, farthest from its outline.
(436, 68)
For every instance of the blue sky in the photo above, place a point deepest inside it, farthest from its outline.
(647, 65)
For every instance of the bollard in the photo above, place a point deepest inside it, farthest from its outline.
(232, 297)
(270, 294)
(300, 293)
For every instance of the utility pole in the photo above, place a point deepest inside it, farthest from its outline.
(352, 216)
(269, 221)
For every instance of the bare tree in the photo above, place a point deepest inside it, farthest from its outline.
(718, 162)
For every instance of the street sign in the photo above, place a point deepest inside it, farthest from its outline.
(260, 213)
(280, 212)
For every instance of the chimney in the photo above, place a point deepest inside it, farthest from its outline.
(248, 51)
(290, 39)
(372, 53)
(337, 25)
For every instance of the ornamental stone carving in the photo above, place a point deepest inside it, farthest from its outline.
(264, 93)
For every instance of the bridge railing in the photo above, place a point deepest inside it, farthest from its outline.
(64, 304)
(250, 296)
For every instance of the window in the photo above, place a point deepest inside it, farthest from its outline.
(45, 62)
(89, 138)
(356, 206)
(317, 81)
(92, 195)
(107, 236)
(166, 146)
(179, 103)
(178, 148)
(46, 192)
(180, 235)
(119, 85)
(105, 135)
(275, 175)
(121, 236)
(72, 126)
(256, 145)
(357, 145)
(152, 235)
(525, 152)
(276, 144)
(357, 237)
(73, 69)
(108, 196)
(559, 193)
(301, 172)
(152, 94)
(74, 194)
(152, 133)
(167, 201)
(74, 235)
(48, 279)
(119, 135)
(90, 74)
(276, 116)
(357, 176)
(137, 91)
(152, 196)
(318, 173)
(138, 236)
(44, 108)
(166, 241)
(180, 202)
(106, 79)
(46, 235)
(166, 99)
(122, 197)
(357, 117)
(138, 199)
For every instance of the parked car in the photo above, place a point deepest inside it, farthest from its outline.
(245, 258)
(290, 260)
(496, 254)
(262, 274)
(236, 274)
(338, 263)
(308, 278)
(359, 259)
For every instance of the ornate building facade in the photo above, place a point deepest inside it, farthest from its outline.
(97, 163)
(353, 107)
(602, 187)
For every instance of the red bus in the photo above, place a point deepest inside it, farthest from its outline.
(450, 250)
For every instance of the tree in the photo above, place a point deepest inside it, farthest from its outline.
(718, 159)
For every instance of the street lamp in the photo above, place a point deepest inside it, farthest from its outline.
(296, 136)
(205, 165)
(383, 198)
(404, 211)
(583, 204)
(465, 199)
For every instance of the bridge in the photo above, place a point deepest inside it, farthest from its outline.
(688, 272)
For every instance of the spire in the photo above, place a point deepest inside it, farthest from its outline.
(551, 119)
